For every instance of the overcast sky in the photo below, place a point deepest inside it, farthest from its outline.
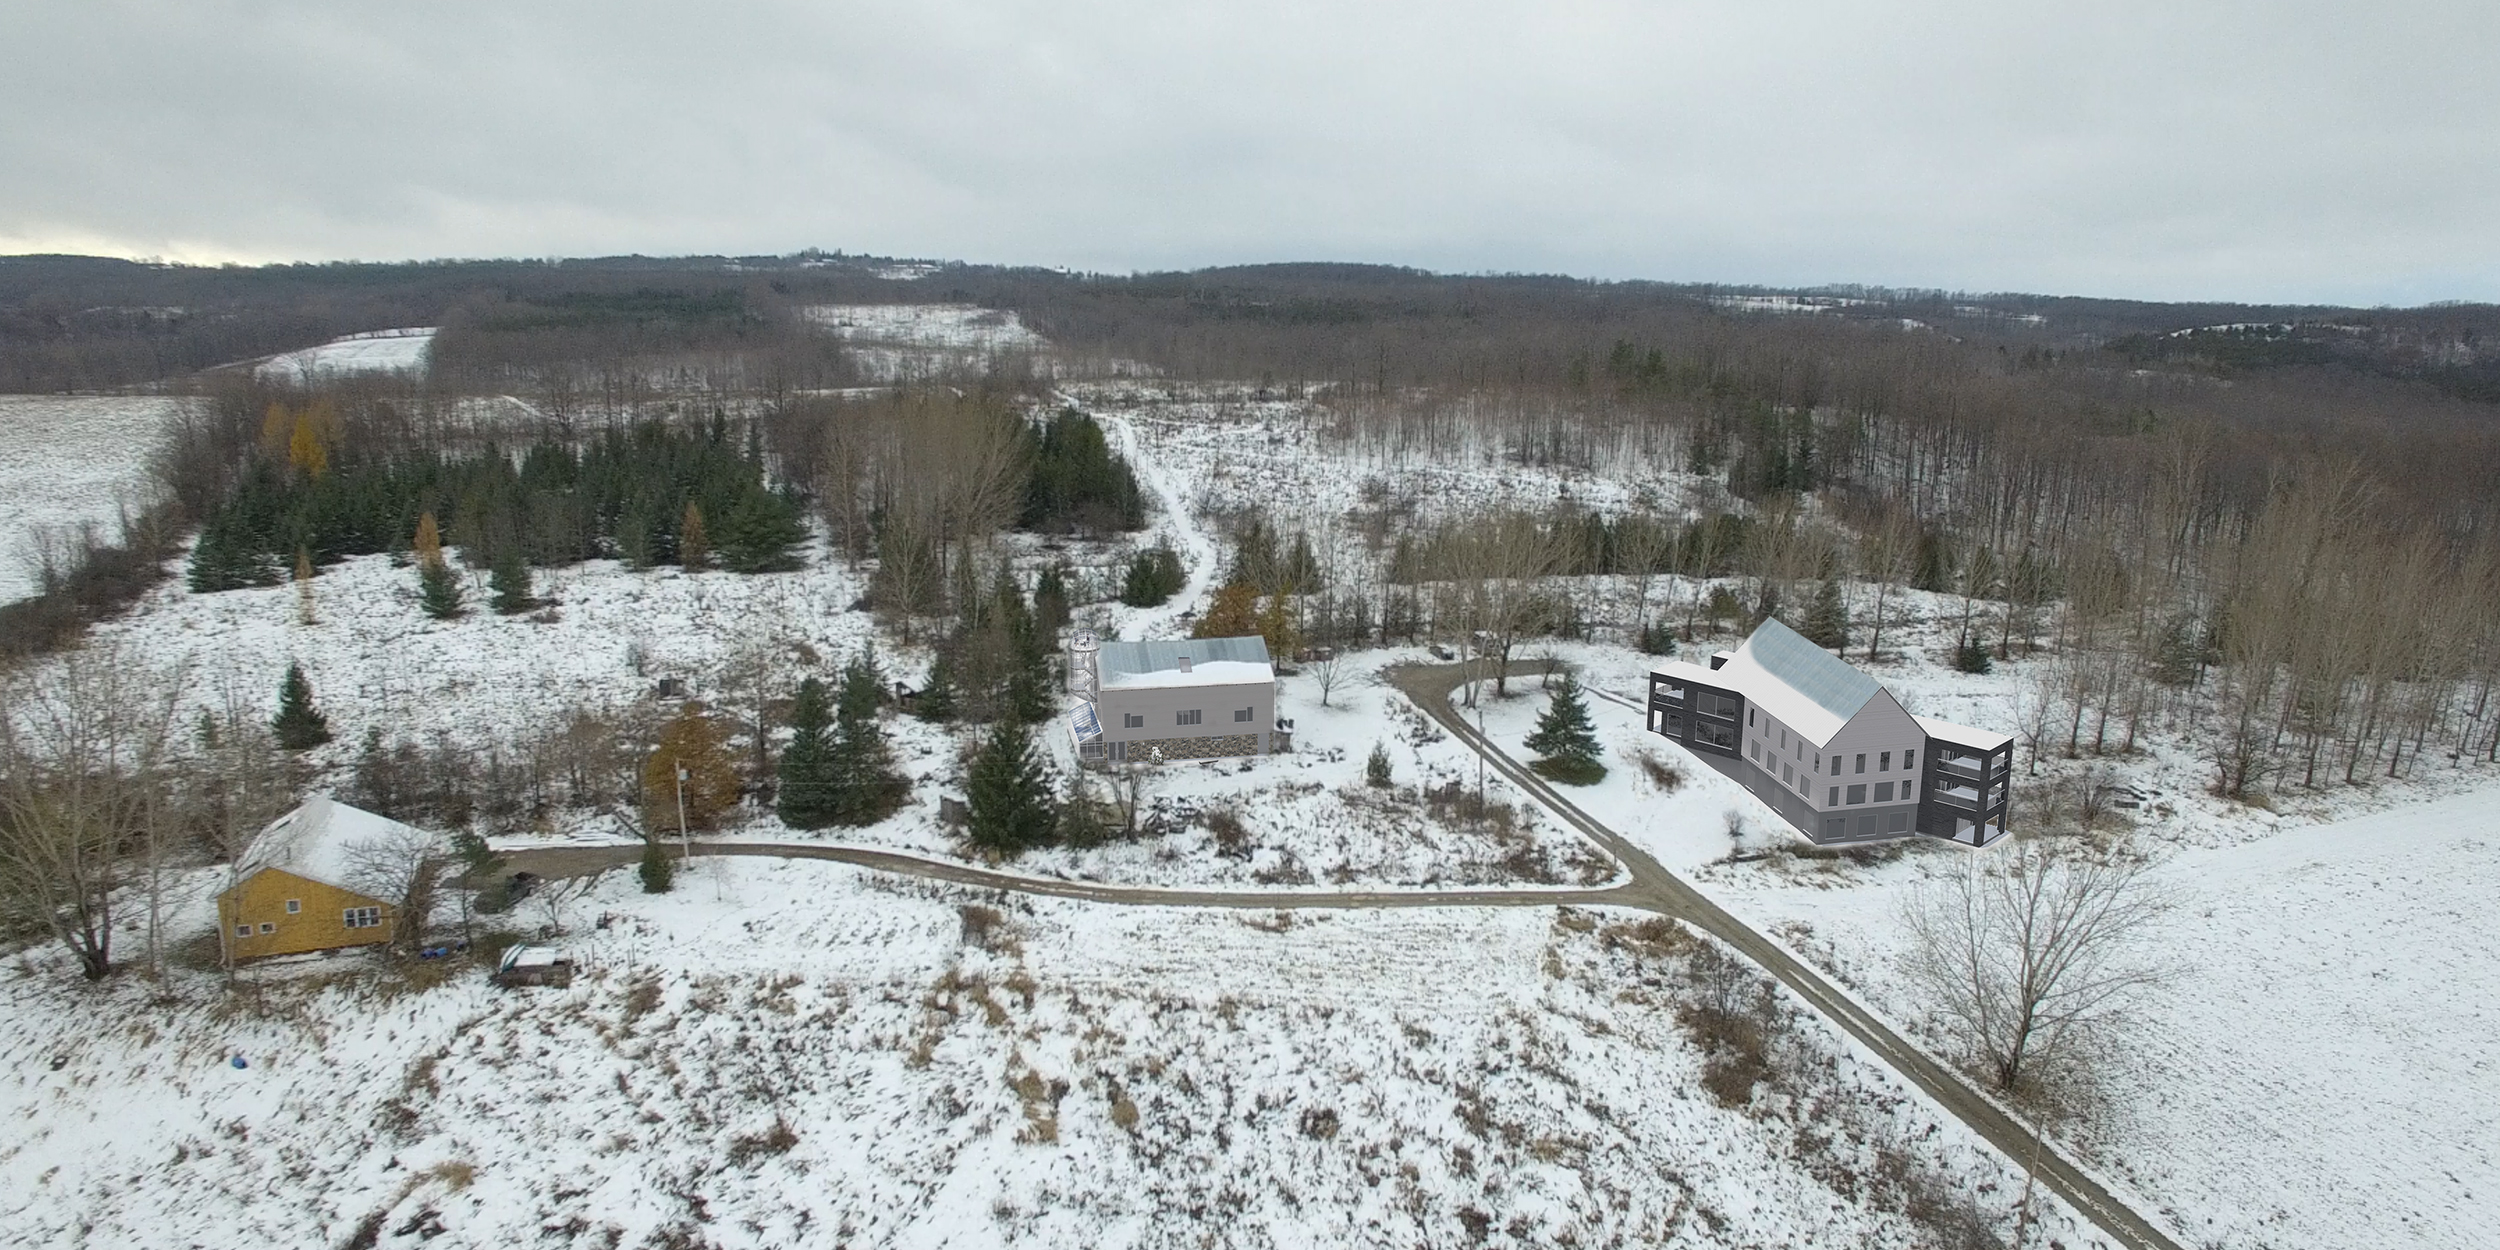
(2346, 153)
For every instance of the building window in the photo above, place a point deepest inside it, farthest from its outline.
(1833, 801)
(362, 917)
(1788, 776)
(1189, 717)
(1861, 763)
(1885, 764)
(1748, 716)
(243, 930)
(1715, 734)
(294, 905)
(1818, 761)
(1898, 822)
(1857, 795)
(1883, 792)
(268, 928)
(1909, 760)
(1091, 750)
(1248, 713)
(1906, 787)
(1132, 720)
(1754, 748)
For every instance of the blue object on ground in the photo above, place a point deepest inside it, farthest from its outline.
(238, 1062)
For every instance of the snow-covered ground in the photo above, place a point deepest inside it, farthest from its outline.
(907, 342)
(786, 1053)
(376, 351)
(67, 460)
(2324, 1066)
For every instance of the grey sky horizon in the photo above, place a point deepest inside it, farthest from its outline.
(2259, 153)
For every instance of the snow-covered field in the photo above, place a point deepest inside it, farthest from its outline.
(377, 351)
(799, 1054)
(67, 460)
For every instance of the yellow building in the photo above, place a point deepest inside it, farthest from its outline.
(288, 896)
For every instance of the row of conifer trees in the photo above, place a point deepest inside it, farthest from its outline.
(653, 494)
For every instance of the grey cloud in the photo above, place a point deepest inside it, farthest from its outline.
(2261, 152)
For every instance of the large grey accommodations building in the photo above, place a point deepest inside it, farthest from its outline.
(1198, 698)
(1830, 749)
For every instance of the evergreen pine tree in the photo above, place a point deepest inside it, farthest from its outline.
(299, 725)
(936, 703)
(1376, 769)
(809, 797)
(1027, 697)
(1154, 575)
(1827, 618)
(862, 769)
(438, 588)
(510, 579)
(1050, 601)
(1566, 739)
(657, 873)
(1008, 793)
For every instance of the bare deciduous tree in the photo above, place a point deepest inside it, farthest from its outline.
(84, 749)
(2025, 952)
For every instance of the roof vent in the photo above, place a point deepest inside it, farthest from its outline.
(1184, 663)
(1719, 659)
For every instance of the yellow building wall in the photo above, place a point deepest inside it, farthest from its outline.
(319, 923)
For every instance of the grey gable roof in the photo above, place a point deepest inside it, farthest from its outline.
(1810, 670)
(1121, 658)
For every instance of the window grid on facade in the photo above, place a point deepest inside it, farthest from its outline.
(1190, 717)
(1132, 720)
(294, 905)
(361, 917)
(1247, 713)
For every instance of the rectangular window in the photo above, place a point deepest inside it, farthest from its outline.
(1715, 734)
(243, 930)
(1833, 801)
(1132, 720)
(1861, 763)
(1189, 717)
(1788, 776)
(1857, 795)
(1748, 716)
(1909, 759)
(1906, 787)
(1754, 749)
(1245, 713)
(1818, 761)
(294, 905)
(1883, 792)
(1783, 737)
(1897, 822)
(362, 917)
(1885, 764)
(268, 928)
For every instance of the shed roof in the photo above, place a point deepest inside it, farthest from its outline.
(1213, 662)
(320, 840)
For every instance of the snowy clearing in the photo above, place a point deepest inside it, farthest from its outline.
(375, 351)
(69, 460)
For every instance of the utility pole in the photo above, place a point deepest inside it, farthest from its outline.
(685, 843)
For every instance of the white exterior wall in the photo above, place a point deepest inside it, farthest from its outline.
(1881, 726)
(1768, 743)
(1160, 706)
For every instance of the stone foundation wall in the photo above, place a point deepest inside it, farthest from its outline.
(1216, 747)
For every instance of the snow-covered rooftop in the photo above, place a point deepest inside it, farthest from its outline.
(1962, 735)
(319, 840)
(1210, 662)
(1808, 689)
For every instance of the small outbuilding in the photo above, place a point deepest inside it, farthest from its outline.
(290, 893)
